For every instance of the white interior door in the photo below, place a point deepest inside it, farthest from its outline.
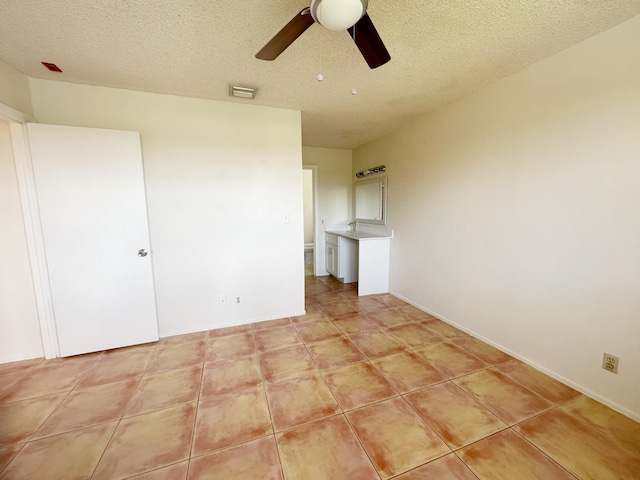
(91, 199)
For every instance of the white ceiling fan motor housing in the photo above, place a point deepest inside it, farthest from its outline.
(338, 14)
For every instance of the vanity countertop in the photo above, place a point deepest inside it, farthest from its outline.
(358, 235)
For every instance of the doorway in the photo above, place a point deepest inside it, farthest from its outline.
(310, 201)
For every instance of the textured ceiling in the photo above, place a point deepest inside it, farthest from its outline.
(440, 50)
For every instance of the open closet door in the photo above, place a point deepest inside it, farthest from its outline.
(92, 206)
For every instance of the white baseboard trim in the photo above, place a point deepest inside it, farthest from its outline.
(173, 333)
(21, 357)
(582, 389)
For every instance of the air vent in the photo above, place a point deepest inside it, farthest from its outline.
(52, 67)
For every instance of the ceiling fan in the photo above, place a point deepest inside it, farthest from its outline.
(350, 15)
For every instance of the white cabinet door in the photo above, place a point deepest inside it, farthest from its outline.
(331, 254)
(92, 206)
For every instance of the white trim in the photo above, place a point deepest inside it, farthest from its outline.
(14, 115)
(586, 391)
(318, 268)
(35, 241)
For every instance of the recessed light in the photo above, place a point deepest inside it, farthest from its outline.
(242, 92)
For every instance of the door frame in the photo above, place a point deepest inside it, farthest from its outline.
(316, 221)
(33, 230)
(35, 240)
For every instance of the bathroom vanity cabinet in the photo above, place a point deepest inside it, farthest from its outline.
(342, 257)
(359, 257)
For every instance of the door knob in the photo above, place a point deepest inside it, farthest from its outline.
(142, 252)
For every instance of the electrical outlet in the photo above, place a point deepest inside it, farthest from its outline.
(238, 301)
(610, 362)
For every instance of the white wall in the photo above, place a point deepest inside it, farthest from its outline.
(19, 327)
(220, 179)
(517, 213)
(14, 89)
(334, 191)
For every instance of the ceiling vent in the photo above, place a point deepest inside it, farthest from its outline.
(242, 92)
(52, 67)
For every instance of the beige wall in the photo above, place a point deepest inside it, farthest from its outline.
(14, 89)
(19, 327)
(220, 179)
(516, 213)
(334, 191)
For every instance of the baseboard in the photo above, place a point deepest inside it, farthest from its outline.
(233, 324)
(582, 389)
(21, 357)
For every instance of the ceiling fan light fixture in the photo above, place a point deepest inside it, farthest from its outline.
(338, 14)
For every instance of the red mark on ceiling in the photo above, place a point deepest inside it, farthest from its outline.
(52, 66)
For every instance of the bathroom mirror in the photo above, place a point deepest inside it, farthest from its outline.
(371, 201)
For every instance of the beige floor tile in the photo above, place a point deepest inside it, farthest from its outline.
(318, 331)
(275, 338)
(21, 366)
(545, 386)
(388, 317)
(415, 314)
(255, 460)
(48, 378)
(147, 442)
(390, 301)
(19, 420)
(368, 303)
(506, 455)
(230, 346)
(9, 379)
(450, 360)
(584, 451)
(335, 353)
(445, 330)
(72, 455)
(406, 371)
(224, 331)
(299, 400)
(355, 323)
(449, 467)
(186, 339)
(177, 356)
(7, 453)
(620, 429)
(339, 308)
(88, 407)
(457, 418)
(165, 389)
(280, 322)
(286, 363)
(483, 351)
(508, 400)
(376, 344)
(230, 419)
(395, 437)
(413, 335)
(314, 312)
(177, 471)
(116, 366)
(230, 375)
(324, 450)
(358, 385)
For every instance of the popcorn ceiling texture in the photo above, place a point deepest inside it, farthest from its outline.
(441, 50)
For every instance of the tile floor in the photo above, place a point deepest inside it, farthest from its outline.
(359, 388)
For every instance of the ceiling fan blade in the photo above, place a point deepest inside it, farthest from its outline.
(285, 37)
(369, 42)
